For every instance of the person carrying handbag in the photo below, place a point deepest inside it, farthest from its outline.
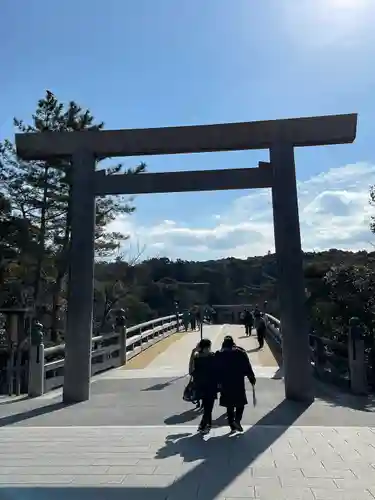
(205, 382)
(193, 354)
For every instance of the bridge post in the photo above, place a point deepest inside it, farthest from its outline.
(356, 355)
(78, 341)
(121, 328)
(36, 361)
(294, 322)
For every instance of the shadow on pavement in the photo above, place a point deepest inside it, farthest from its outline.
(164, 385)
(278, 375)
(113, 492)
(35, 412)
(221, 421)
(335, 396)
(255, 349)
(182, 418)
(223, 458)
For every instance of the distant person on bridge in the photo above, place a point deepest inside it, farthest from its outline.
(260, 326)
(193, 320)
(248, 322)
(186, 320)
(199, 317)
(205, 382)
(233, 365)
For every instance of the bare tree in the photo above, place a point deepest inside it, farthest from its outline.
(118, 282)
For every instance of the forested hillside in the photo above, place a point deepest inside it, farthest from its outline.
(338, 285)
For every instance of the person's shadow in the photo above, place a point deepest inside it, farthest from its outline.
(212, 464)
(255, 349)
(181, 418)
(193, 447)
(164, 385)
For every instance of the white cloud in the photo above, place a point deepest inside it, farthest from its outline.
(334, 212)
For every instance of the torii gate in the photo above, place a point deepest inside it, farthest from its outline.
(279, 136)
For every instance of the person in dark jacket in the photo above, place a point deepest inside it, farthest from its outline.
(233, 365)
(193, 320)
(193, 355)
(260, 326)
(205, 380)
(199, 317)
(186, 320)
(248, 322)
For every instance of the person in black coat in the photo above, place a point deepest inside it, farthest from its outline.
(233, 365)
(248, 322)
(261, 328)
(205, 382)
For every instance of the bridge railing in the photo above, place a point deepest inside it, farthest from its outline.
(329, 358)
(274, 328)
(106, 348)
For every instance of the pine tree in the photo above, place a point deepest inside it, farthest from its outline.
(40, 194)
(17, 243)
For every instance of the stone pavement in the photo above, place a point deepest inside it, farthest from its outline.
(136, 439)
(159, 463)
(158, 402)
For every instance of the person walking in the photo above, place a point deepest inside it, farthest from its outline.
(191, 360)
(205, 382)
(248, 322)
(260, 326)
(242, 317)
(233, 365)
(199, 317)
(193, 321)
(186, 320)
(193, 355)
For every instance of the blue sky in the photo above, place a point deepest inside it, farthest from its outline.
(145, 63)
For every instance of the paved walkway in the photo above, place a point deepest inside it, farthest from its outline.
(136, 439)
(159, 463)
(173, 362)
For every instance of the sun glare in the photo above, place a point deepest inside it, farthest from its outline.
(347, 4)
(337, 22)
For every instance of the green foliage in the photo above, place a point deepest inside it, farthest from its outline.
(339, 284)
(40, 194)
(352, 291)
(18, 240)
(16, 234)
(159, 283)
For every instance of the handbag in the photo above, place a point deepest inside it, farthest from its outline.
(189, 393)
